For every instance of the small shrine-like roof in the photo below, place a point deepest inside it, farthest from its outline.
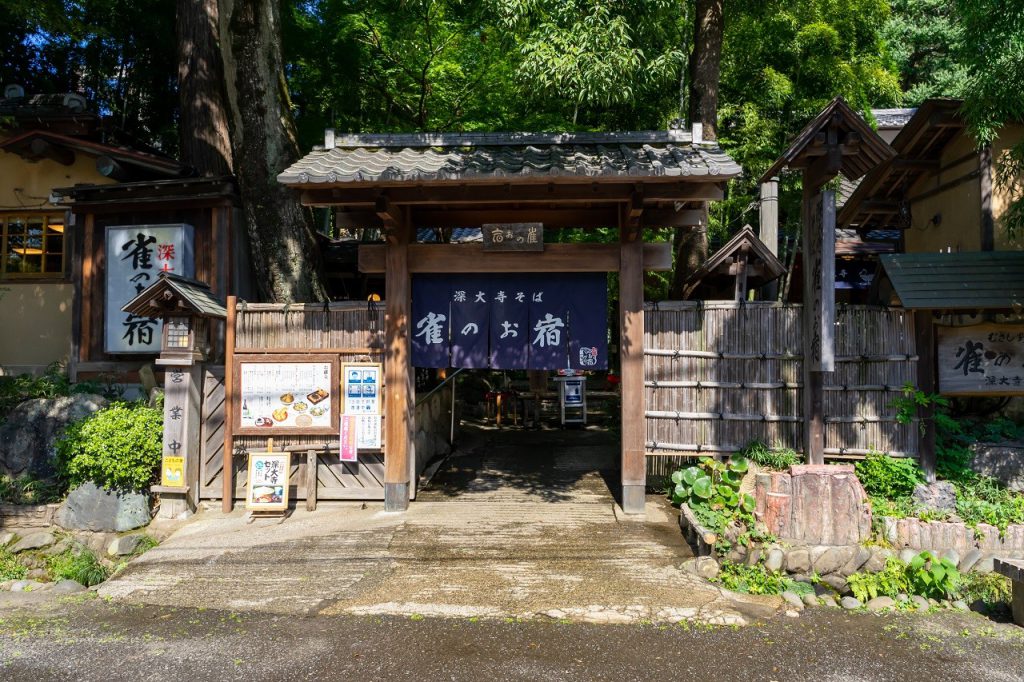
(172, 293)
(971, 280)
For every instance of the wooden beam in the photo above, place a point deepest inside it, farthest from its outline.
(924, 343)
(631, 362)
(41, 149)
(227, 479)
(513, 193)
(916, 164)
(606, 216)
(398, 374)
(988, 226)
(86, 289)
(441, 258)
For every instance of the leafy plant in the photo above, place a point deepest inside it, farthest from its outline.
(932, 577)
(118, 447)
(888, 582)
(990, 588)
(27, 489)
(10, 567)
(889, 477)
(78, 564)
(53, 383)
(757, 579)
(712, 484)
(771, 458)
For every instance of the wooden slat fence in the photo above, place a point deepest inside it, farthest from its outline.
(719, 375)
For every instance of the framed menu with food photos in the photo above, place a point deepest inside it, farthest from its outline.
(286, 394)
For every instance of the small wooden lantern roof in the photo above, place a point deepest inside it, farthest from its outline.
(173, 294)
(744, 256)
(838, 132)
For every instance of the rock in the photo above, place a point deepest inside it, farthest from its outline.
(704, 566)
(1003, 461)
(833, 559)
(902, 597)
(849, 603)
(828, 600)
(945, 604)
(7, 538)
(881, 604)
(952, 555)
(837, 582)
(960, 605)
(907, 555)
(38, 540)
(798, 561)
(986, 564)
(938, 496)
(37, 574)
(860, 557)
(68, 586)
(810, 599)
(89, 507)
(753, 556)
(128, 544)
(876, 562)
(58, 548)
(26, 586)
(793, 600)
(28, 438)
(969, 560)
(774, 559)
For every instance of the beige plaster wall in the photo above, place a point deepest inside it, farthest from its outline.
(36, 324)
(957, 209)
(25, 184)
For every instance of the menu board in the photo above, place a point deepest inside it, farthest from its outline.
(285, 395)
(268, 480)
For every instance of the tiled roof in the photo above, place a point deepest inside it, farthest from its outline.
(197, 295)
(481, 156)
(893, 118)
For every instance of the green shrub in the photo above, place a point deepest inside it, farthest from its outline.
(118, 447)
(888, 582)
(54, 383)
(10, 567)
(926, 575)
(81, 565)
(777, 458)
(889, 477)
(713, 484)
(991, 589)
(27, 489)
(757, 579)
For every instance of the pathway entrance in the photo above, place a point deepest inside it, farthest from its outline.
(516, 524)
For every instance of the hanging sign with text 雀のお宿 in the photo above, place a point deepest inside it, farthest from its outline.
(267, 488)
(135, 257)
(290, 393)
(361, 396)
(982, 359)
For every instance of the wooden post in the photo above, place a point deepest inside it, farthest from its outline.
(819, 311)
(311, 480)
(631, 360)
(988, 229)
(227, 479)
(88, 284)
(924, 342)
(398, 375)
(769, 226)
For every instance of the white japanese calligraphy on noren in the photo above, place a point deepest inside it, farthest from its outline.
(431, 328)
(509, 329)
(520, 297)
(470, 328)
(480, 297)
(459, 296)
(500, 297)
(549, 331)
(538, 296)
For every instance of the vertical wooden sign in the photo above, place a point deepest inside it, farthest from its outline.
(179, 468)
(819, 267)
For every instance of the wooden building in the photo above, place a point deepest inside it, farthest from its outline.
(401, 183)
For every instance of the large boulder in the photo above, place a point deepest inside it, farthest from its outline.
(939, 496)
(1003, 461)
(90, 507)
(28, 439)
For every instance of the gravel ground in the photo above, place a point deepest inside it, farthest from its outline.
(92, 639)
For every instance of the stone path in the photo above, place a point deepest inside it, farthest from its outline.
(521, 525)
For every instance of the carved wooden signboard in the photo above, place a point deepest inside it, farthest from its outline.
(513, 236)
(819, 265)
(983, 359)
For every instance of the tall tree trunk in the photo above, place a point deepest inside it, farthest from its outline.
(285, 255)
(205, 135)
(705, 65)
(691, 247)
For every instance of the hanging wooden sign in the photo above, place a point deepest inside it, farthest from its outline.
(983, 359)
(513, 236)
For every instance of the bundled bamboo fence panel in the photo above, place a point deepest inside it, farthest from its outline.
(720, 375)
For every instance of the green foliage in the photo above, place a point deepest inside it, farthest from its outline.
(771, 458)
(990, 588)
(932, 577)
(888, 582)
(757, 579)
(118, 447)
(889, 477)
(53, 383)
(10, 567)
(27, 489)
(712, 484)
(77, 564)
(922, 37)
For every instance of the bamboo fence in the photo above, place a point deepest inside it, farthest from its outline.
(719, 375)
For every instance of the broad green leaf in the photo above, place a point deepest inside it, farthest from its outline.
(702, 488)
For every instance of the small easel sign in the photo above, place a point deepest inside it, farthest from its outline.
(267, 491)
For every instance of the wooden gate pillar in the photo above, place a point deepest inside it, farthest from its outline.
(631, 360)
(398, 374)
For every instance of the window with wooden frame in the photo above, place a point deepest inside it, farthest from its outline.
(31, 245)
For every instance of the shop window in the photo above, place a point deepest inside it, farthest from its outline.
(31, 245)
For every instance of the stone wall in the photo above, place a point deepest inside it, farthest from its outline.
(27, 515)
(940, 537)
(814, 505)
(433, 426)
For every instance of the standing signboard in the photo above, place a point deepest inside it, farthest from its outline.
(292, 394)
(361, 393)
(268, 481)
(135, 256)
(983, 359)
